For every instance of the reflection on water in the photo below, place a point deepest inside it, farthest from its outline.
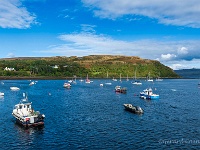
(31, 130)
(1, 98)
(27, 137)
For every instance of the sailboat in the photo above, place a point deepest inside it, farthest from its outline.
(127, 79)
(149, 79)
(136, 82)
(87, 80)
(158, 78)
(114, 79)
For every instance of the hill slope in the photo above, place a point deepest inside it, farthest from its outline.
(94, 65)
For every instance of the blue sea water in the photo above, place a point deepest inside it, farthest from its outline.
(90, 116)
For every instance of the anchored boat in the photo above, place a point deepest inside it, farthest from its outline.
(134, 109)
(26, 115)
(67, 85)
(148, 94)
(1, 94)
(119, 89)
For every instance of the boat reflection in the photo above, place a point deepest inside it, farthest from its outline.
(30, 131)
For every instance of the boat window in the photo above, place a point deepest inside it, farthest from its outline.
(20, 107)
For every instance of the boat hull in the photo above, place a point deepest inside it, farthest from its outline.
(37, 121)
(152, 97)
(27, 125)
(133, 109)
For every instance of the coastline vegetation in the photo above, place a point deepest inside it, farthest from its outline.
(96, 66)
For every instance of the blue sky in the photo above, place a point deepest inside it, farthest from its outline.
(163, 30)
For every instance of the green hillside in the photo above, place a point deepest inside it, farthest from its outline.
(96, 66)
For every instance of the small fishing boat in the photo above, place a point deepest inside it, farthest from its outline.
(1, 94)
(119, 89)
(148, 94)
(67, 85)
(137, 82)
(25, 115)
(14, 88)
(108, 83)
(32, 83)
(134, 109)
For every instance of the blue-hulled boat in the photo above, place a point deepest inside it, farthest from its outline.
(148, 94)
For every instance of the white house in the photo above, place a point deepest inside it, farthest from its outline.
(55, 67)
(9, 69)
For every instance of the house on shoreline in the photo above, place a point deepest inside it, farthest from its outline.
(9, 69)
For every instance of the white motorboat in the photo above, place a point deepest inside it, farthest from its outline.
(14, 88)
(32, 83)
(25, 115)
(137, 82)
(1, 94)
(67, 85)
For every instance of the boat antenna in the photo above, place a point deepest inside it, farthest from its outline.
(25, 95)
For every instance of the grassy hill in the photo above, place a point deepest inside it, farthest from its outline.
(96, 66)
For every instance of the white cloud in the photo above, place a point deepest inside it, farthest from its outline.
(84, 43)
(169, 12)
(183, 64)
(182, 51)
(168, 57)
(178, 66)
(14, 15)
(10, 55)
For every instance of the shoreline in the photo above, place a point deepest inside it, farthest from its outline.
(68, 78)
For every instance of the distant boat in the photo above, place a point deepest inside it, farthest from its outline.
(149, 78)
(81, 80)
(32, 83)
(1, 94)
(114, 79)
(14, 88)
(127, 79)
(67, 85)
(120, 77)
(158, 78)
(108, 83)
(87, 80)
(119, 89)
(136, 82)
(70, 81)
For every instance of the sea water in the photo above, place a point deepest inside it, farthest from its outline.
(90, 116)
